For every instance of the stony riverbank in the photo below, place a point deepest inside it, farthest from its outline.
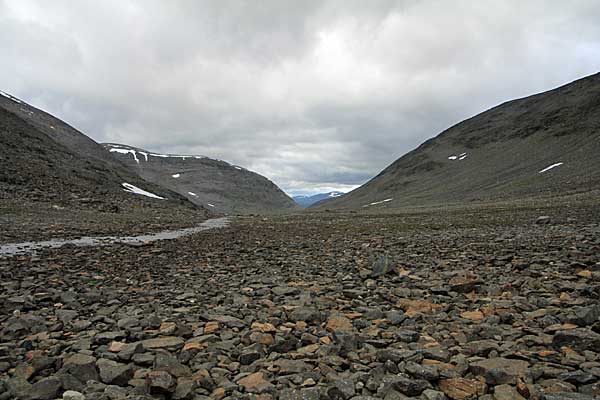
(432, 305)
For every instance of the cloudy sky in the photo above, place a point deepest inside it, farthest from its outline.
(315, 95)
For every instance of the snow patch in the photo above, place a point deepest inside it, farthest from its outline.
(378, 202)
(136, 190)
(8, 96)
(210, 205)
(240, 168)
(193, 194)
(125, 151)
(176, 156)
(548, 168)
(459, 157)
(335, 194)
(176, 176)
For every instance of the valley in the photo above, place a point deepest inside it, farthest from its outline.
(486, 301)
(469, 268)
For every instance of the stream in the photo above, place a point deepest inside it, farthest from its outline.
(13, 249)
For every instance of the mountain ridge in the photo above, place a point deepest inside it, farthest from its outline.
(44, 158)
(309, 200)
(498, 154)
(212, 183)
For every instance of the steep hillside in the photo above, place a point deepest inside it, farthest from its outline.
(543, 145)
(214, 184)
(307, 201)
(46, 165)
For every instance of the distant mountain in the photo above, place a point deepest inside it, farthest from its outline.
(215, 184)
(307, 201)
(542, 145)
(43, 159)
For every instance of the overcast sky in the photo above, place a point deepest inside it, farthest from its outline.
(314, 95)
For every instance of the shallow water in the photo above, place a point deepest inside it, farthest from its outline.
(12, 249)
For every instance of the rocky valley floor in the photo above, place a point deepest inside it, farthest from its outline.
(440, 304)
(22, 221)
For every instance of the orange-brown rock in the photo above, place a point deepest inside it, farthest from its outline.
(339, 323)
(194, 346)
(325, 340)
(263, 327)
(116, 347)
(255, 383)
(414, 307)
(218, 393)
(473, 315)
(211, 327)
(586, 273)
(462, 388)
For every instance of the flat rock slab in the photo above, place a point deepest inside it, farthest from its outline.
(499, 371)
(163, 343)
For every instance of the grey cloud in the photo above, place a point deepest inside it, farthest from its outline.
(312, 94)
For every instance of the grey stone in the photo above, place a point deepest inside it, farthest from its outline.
(381, 266)
(107, 337)
(66, 315)
(291, 366)
(585, 316)
(578, 377)
(300, 394)
(346, 341)
(306, 314)
(165, 342)
(407, 336)
(579, 339)
(430, 394)
(114, 373)
(395, 317)
(18, 387)
(566, 396)
(129, 350)
(114, 392)
(166, 362)
(342, 389)
(390, 354)
(498, 371)
(160, 382)
(143, 359)
(128, 323)
(403, 384)
(227, 320)
(426, 372)
(45, 389)
(506, 392)
(77, 370)
(73, 395)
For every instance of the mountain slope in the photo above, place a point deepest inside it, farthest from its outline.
(307, 201)
(214, 184)
(43, 159)
(542, 145)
